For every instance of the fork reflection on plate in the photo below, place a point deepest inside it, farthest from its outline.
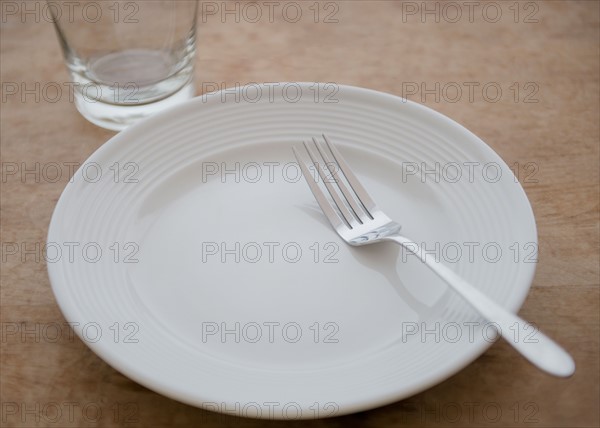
(358, 221)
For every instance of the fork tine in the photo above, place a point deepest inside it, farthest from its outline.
(358, 188)
(356, 209)
(329, 212)
(345, 213)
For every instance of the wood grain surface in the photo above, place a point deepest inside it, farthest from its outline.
(545, 60)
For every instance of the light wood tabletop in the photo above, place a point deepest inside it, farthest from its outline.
(523, 76)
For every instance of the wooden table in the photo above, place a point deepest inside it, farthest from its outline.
(542, 55)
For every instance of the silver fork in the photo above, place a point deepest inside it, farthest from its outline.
(358, 221)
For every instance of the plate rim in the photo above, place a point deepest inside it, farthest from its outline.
(70, 310)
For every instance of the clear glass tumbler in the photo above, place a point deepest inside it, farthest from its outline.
(127, 59)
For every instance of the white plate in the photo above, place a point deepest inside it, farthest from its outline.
(175, 214)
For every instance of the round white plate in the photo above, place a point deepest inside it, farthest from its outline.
(190, 255)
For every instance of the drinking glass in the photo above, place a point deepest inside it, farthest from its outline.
(127, 59)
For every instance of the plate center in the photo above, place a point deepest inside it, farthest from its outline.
(239, 262)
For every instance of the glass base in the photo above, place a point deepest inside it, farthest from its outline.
(117, 117)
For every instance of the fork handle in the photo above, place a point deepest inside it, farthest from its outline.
(541, 350)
